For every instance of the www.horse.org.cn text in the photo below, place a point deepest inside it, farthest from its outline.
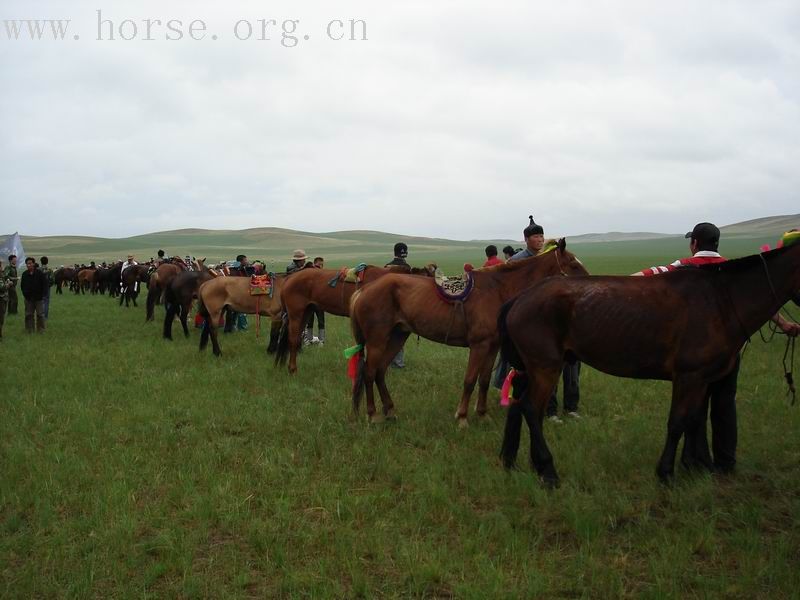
(288, 33)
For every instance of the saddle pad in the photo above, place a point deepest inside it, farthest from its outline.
(453, 289)
(261, 285)
(354, 275)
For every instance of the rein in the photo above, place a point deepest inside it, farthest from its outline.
(788, 353)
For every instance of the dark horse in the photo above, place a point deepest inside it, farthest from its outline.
(130, 279)
(387, 311)
(179, 295)
(311, 288)
(156, 287)
(686, 327)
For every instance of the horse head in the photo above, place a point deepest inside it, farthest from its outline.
(570, 264)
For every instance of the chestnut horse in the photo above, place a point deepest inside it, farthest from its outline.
(234, 293)
(85, 280)
(181, 292)
(312, 287)
(685, 326)
(159, 280)
(386, 312)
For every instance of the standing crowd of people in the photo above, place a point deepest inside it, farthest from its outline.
(34, 283)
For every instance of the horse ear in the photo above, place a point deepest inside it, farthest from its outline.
(562, 244)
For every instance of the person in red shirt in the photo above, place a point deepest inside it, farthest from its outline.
(721, 395)
(491, 257)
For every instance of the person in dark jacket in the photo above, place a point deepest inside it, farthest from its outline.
(34, 286)
(5, 284)
(400, 255)
(10, 273)
(399, 260)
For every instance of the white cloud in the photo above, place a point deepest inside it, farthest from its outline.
(453, 120)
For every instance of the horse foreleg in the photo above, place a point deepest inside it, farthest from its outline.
(696, 454)
(484, 381)
(686, 397)
(474, 365)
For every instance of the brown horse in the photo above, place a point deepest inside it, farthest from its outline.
(312, 287)
(180, 294)
(386, 312)
(159, 280)
(686, 327)
(234, 293)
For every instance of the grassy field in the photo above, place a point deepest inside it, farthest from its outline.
(138, 468)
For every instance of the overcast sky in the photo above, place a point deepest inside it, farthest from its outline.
(453, 119)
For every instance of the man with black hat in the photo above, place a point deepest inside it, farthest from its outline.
(721, 394)
(399, 260)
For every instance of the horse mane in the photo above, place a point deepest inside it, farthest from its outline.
(744, 263)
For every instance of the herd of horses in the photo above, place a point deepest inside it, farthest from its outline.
(685, 326)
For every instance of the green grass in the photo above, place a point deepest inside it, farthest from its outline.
(138, 468)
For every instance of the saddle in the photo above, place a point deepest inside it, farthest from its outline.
(262, 285)
(453, 289)
(354, 275)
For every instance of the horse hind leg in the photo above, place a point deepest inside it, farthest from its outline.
(184, 316)
(396, 342)
(541, 384)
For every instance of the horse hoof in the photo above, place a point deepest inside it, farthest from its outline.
(376, 419)
(550, 483)
(391, 415)
(462, 422)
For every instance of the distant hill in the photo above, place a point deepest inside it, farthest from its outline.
(276, 245)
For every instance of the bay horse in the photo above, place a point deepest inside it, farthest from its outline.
(685, 326)
(311, 288)
(386, 312)
(234, 293)
(129, 280)
(180, 293)
(159, 280)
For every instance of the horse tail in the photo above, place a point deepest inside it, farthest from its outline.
(206, 332)
(356, 364)
(172, 307)
(508, 352)
(152, 293)
(282, 343)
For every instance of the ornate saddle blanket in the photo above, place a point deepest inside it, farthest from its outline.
(354, 275)
(453, 289)
(262, 285)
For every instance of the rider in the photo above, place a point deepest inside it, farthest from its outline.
(721, 394)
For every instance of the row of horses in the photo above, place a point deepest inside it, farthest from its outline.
(685, 327)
